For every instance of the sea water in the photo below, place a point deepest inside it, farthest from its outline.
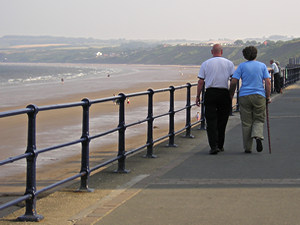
(23, 84)
(31, 74)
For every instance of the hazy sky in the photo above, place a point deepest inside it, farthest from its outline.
(150, 19)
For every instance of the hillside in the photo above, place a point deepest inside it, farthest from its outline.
(64, 50)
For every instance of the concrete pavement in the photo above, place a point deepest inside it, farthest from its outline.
(186, 185)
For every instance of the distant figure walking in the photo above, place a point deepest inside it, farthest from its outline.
(216, 73)
(280, 75)
(252, 97)
(275, 71)
(62, 80)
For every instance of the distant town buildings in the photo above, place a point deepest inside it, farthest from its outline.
(294, 61)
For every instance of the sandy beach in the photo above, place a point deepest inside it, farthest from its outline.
(60, 126)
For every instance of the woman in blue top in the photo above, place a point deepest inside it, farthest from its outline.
(254, 94)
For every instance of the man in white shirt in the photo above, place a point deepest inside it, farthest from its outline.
(215, 72)
(276, 75)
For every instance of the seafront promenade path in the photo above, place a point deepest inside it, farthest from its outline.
(187, 186)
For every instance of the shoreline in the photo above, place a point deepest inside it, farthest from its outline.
(97, 88)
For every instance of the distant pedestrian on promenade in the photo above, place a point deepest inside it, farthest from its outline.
(215, 73)
(275, 71)
(280, 75)
(253, 97)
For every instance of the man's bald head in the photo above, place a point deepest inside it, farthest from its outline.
(217, 50)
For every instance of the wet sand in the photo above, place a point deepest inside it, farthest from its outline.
(63, 163)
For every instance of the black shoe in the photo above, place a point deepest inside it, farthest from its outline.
(220, 149)
(248, 151)
(213, 151)
(259, 146)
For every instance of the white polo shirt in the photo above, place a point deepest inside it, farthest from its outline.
(216, 72)
(275, 68)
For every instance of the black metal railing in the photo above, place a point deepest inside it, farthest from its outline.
(32, 152)
(291, 75)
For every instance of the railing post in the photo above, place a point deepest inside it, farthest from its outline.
(202, 119)
(272, 82)
(231, 109)
(294, 76)
(297, 74)
(85, 147)
(171, 118)
(287, 80)
(150, 125)
(291, 76)
(188, 111)
(121, 143)
(284, 77)
(237, 97)
(30, 213)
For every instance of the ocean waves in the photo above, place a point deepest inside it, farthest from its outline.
(32, 74)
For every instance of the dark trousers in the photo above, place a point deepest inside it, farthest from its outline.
(217, 104)
(277, 84)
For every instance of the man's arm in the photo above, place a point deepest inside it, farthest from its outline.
(199, 89)
(232, 88)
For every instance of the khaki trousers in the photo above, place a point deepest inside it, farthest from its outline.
(253, 113)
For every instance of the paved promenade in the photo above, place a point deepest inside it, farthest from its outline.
(187, 186)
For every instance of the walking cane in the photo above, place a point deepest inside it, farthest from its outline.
(268, 126)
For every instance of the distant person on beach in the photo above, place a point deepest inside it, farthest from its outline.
(253, 97)
(275, 71)
(215, 73)
(198, 116)
(116, 101)
(62, 80)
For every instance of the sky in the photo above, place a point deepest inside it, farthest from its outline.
(151, 19)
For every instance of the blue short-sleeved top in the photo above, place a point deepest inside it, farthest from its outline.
(252, 74)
